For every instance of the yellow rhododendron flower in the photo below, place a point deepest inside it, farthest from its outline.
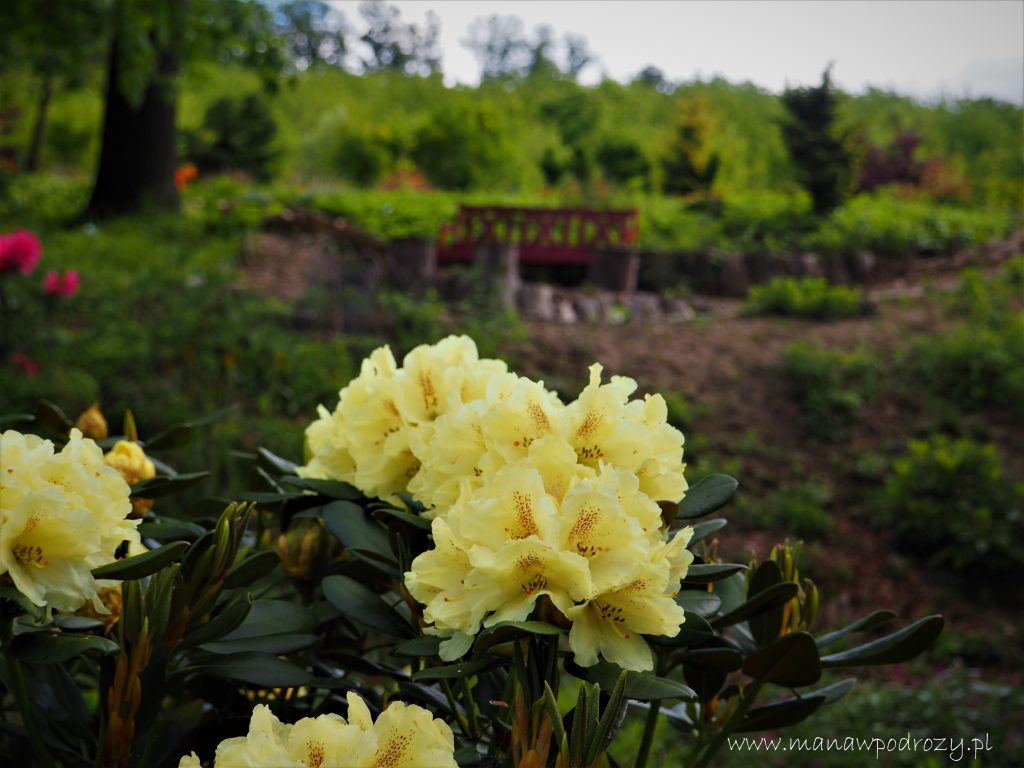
(604, 426)
(404, 736)
(61, 515)
(610, 623)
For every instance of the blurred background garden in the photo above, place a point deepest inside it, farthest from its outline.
(845, 266)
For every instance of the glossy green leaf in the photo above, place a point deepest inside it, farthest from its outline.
(143, 565)
(163, 485)
(506, 631)
(706, 496)
(283, 643)
(251, 569)
(765, 623)
(52, 648)
(256, 668)
(694, 630)
(406, 517)
(275, 462)
(170, 529)
(50, 415)
(642, 686)
(834, 692)
(461, 669)
(780, 714)
(873, 620)
(271, 497)
(892, 649)
(359, 532)
(771, 598)
(698, 601)
(792, 661)
(228, 620)
(360, 604)
(707, 572)
(702, 530)
(606, 726)
(335, 489)
(272, 617)
(720, 658)
(418, 647)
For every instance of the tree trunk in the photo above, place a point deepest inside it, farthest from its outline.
(35, 150)
(138, 153)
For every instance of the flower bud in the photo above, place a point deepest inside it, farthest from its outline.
(307, 549)
(130, 461)
(92, 423)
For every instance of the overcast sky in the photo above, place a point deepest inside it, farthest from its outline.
(924, 48)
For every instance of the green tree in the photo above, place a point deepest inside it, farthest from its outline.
(463, 146)
(59, 45)
(149, 43)
(500, 45)
(237, 134)
(688, 165)
(823, 163)
(314, 34)
(395, 44)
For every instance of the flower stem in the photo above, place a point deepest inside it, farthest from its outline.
(650, 726)
(749, 695)
(21, 694)
(470, 704)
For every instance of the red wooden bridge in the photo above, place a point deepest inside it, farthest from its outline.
(559, 236)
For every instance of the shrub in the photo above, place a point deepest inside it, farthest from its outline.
(975, 365)
(237, 134)
(950, 500)
(807, 297)
(800, 510)
(830, 386)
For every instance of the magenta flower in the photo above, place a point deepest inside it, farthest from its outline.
(26, 363)
(20, 250)
(65, 285)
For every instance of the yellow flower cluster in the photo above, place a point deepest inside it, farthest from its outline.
(61, 515)
(404, 736)
(529, 497)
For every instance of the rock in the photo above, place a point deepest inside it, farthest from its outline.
(411, 264)
(811, 265)
(588, 307)
(564, 312)
(643, 306)
(536, 301)
(861, 265)
(677, 308)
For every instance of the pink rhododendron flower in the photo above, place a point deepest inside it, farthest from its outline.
(65, 285)
(20, 250)
(26, 363)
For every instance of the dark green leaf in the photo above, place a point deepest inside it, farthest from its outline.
(228, 620)
(335, 489)
(255, 668)
(359, 532)
(275, 462)
(642, 686)
(765, 622)
(551, 704)
(16, 418)
(710, 494)
(698, 601)
(172, 437)
(283, 643)
(142, 565)
(891, 649)
(418, 647)
(694, 630)
(272, 617)
(461, 669)
(771, 598)
(467, 757)
(251, 569)
(780, 714)
(609, 719)
(170, 529)
(505, 631)
(162, 485)
(270, 497)
(50, 415)
(871, 621)
(707, 572)
(719, 658)
(406, 517)
(360, 604)
(834, 692)
(51, 648)
(792, 660)
(12, 594)
(702, 530)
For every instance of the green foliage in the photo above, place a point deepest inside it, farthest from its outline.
(897, 227)
(687, 164)
(624, 163)
(237, 134)
(765, 221)
(950, 500)
(806, 297)
(821, 159)
(799, 510)
(830, 387)
(463, 146)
